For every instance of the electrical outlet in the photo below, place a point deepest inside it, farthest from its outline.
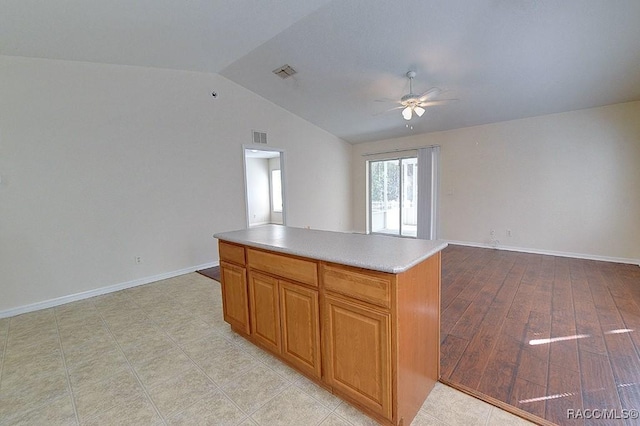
(492, 232)
(508, 232)
(138, 260)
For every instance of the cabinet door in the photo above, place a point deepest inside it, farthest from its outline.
(358, 351)
(300, 327)
(265, 310)
(234, 296)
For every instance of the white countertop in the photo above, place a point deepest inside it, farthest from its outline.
(376, 252)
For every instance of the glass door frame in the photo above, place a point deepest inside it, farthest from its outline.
(400, 194)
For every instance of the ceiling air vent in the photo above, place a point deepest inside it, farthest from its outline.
(284, 71)
(259, 137)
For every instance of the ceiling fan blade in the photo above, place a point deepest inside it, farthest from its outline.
(388, 110)
(386, 100)
(430, 94)
(438, 102)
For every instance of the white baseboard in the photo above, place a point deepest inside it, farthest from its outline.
(102, 290)
(548, 252)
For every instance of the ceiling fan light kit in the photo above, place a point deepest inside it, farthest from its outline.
(406, 113)
(411, 101)
(414, 104)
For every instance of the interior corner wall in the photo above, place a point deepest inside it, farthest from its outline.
(563, 183)
(102, 163)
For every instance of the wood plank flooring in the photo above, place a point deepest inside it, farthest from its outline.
(213, 273)
(543, 334)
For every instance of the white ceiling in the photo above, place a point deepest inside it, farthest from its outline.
(503, 59)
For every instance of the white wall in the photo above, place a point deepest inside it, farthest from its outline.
(101, 163)
(567, 183)
(258, 201)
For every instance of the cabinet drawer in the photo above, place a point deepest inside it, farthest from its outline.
(293, 268)
(369, 287)
(231, 253)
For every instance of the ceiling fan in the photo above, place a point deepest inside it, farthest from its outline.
(415, 104)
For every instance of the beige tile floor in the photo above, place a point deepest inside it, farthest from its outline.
(161, 354)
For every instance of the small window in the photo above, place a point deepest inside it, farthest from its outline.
(276, 191)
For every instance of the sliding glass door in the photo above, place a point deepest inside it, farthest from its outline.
(393, 196)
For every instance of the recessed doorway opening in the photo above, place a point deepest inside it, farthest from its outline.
(264, 186)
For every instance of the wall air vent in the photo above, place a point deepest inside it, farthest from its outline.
(284, 71)
(259, 137)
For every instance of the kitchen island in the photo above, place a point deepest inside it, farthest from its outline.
(358, 314)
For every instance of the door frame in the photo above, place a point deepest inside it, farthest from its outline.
(281, 152)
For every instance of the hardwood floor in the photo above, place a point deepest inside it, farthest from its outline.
(213, 273)
(542, 333)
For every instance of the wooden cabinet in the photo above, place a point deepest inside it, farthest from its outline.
(300, 327)
(358, 352)
(264, 306)
(235, 301)
(381, 337)
(284, 313)
(370, 337)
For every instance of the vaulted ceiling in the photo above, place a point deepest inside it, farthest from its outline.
(502, 59)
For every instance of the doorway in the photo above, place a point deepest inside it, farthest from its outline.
(393, 194)
(403, 194)
(264, 186)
